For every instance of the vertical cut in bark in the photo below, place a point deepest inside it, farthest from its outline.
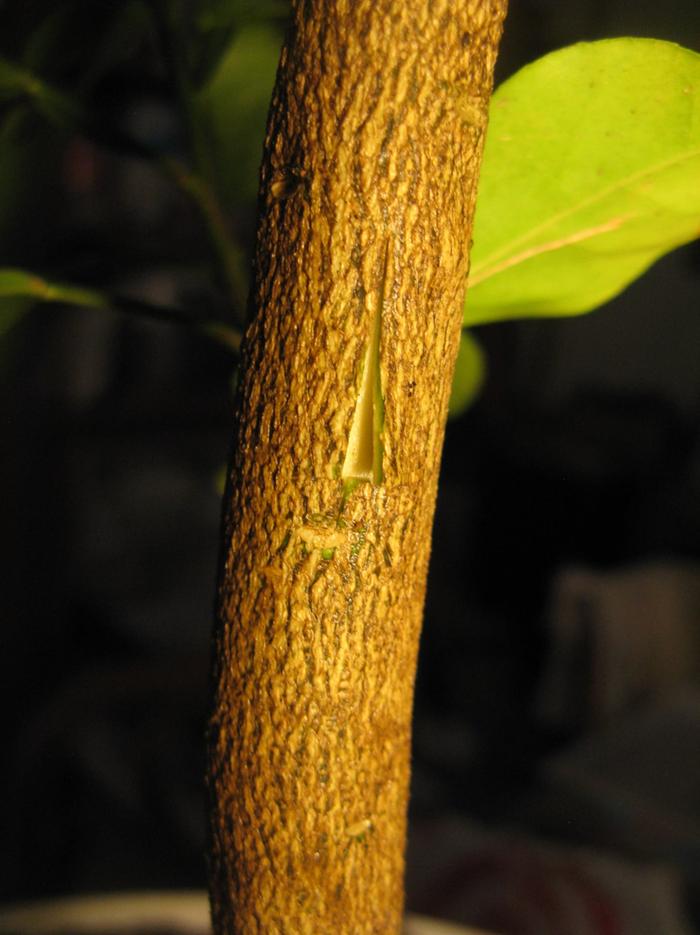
(367, 195)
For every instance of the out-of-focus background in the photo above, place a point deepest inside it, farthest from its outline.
(556, 784)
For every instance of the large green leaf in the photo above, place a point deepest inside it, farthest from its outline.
(591, 172)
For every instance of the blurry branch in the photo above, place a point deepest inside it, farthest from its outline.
(15, 283)
(197, 184)
(57, 107)
(229, 254)
(65, 112)
(174, 52)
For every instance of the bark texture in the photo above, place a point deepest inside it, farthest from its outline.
(367, 196)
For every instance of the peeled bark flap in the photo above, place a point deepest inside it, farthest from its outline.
(367, 196)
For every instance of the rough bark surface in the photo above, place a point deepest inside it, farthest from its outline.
(368, 188)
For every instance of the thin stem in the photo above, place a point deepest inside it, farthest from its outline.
(229, 254)
(22, 283)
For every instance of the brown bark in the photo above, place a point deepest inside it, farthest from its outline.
(367, 195)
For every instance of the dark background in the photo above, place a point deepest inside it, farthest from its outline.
(583, 452)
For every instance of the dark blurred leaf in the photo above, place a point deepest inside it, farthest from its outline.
(62, 50)
(75, 42)
(210, 26)
(218, 14)
(17, 84)
(234, 105)
(470, 372)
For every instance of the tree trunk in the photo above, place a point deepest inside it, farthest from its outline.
(367, 195)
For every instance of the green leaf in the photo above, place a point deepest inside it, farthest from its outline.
(203, 31)
(224, 14)
(16, 282)
(469, 376)
(591, 172)
(234, 110)
(218, 20)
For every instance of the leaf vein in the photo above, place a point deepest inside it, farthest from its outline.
(488, 267)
